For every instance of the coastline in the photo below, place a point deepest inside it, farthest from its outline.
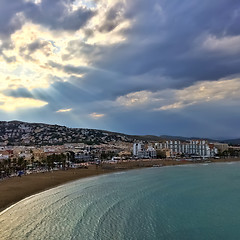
(15, 189)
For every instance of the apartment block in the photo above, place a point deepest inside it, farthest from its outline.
(191, 147)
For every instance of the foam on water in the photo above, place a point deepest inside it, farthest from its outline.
(200, 202)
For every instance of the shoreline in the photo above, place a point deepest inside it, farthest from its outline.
(16, 189)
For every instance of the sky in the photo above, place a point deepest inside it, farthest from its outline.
(161, 67)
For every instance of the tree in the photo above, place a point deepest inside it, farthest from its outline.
(161, 154)
(107, 155)
(50, 161)
(21, 163)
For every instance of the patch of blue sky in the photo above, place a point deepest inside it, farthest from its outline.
(56, 48)
(86, 3)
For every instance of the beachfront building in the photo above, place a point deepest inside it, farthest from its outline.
(191, 147)
(221, 147)
(140, 151)
(138, 148)
(151, 152)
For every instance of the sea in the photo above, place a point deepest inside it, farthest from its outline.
(200, 201)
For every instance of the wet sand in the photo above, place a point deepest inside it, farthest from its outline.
(15, 189)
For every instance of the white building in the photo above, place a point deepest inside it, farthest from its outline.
(151, 152)
(138, 148)
(192, 147)
(140, 151)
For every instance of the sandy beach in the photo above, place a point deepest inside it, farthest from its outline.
(15, 189)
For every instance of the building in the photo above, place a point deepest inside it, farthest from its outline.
(151, 152)
(191, 147)
(221, 146)
(140, 151)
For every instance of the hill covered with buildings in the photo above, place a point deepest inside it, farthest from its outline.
(25, 144)
(32, 134)
(39, 134)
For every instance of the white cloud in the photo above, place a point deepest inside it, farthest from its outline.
(96, 115)
(207, 91)
(34, 46)
(135, 99)
(64, 110)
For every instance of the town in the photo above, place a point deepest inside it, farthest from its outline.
(18, 160)
(33, 147)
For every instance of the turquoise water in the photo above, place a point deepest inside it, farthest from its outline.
(183, 202)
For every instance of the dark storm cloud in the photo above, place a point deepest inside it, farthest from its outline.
(9, 21)
(78, 49)
(113, 18)
(70, 69)
(27, 50)
(163, 39)
(64, 95)
(162, 47)
(55, 14)
(165, 48)
(34, 46)
(18, 93)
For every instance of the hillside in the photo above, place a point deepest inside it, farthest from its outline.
(23, 133)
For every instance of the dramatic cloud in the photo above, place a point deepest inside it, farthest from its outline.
(227, 90)
(113, 18)
(58, 14)
(131, 65)
(170, 99)
(11, 18)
